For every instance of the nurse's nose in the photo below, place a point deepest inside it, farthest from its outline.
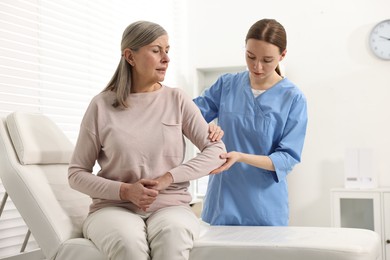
(258, 65)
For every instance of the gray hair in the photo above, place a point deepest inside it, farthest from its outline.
(135, 36)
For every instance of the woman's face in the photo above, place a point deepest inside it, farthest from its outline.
(150, 62)
(262, 58)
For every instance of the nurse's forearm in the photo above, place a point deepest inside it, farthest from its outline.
(260, 161)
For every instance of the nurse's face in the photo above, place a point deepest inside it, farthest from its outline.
(262, 58)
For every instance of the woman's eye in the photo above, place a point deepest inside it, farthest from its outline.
(251, 57)
(268, 61)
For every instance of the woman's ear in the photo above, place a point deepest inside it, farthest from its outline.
(282, 55)
(128, 54)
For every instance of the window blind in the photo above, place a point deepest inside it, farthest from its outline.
(55, 56)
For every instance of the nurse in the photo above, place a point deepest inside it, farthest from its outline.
(264, 118)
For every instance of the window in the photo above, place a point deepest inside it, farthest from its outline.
(56, 55)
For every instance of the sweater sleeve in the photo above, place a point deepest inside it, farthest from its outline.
(84, 157)
(195, 128)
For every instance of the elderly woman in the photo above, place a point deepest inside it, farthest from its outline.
(134, 129)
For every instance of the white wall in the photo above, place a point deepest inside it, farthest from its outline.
(347, 88)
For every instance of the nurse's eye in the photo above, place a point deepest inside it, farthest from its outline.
(251, 57)
(268, 60)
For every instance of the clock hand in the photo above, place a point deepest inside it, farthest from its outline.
(384, 37)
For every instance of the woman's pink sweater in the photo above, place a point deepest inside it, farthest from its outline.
(145, 140)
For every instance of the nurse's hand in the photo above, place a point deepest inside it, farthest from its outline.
(231, 158)
(216, 132)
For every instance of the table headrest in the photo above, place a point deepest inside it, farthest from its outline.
(37, 139)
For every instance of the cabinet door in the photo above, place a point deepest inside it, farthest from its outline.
(358, 209)
(386, 223)
(354, 209)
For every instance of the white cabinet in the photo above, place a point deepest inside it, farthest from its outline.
(386, 220)
(363, 208)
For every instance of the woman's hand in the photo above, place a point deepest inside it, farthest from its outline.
(163, 182)
(139, 193)
(231, 158)
(215, 132)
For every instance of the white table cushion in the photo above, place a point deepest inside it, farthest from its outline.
(262, 243)
(292, 243)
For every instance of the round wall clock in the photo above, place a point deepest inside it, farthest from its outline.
(379, 40)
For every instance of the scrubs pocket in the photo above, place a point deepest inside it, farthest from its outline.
(173, 140)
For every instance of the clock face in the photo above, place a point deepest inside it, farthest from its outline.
(380, 40)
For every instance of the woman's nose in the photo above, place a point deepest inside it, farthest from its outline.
(165, 57)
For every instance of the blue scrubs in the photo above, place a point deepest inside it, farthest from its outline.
(272, 124)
